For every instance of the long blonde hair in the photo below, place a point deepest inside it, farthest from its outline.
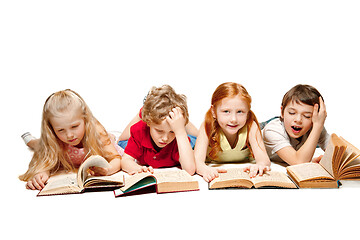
(51, 154)
(213, 128)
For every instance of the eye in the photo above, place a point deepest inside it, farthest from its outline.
(307, 116)
(240, 111)
(75, 126)
(291, 113)
(60, 130)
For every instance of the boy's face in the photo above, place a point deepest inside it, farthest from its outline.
(161, 133)
(297, 118)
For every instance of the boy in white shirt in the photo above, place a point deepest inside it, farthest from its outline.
(294, 136)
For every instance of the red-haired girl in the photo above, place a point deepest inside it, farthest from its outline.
(230, 133)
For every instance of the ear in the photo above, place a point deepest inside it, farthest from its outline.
(213, 111)
(282, 112)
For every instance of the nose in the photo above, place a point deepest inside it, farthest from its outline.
(165, 138)
(233, 117)
(69, 134)
(298, 118)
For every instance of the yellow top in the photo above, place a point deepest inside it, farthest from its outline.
(237, 154)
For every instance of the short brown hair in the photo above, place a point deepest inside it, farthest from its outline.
(160, 101)
(301, 93)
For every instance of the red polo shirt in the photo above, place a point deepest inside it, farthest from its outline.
(141, 148)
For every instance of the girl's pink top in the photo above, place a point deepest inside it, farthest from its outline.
(76, 155)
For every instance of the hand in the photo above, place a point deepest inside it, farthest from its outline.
(141, 169)
(176, 120)
(255, 169)
(210, 173)
(98, 171)
(38, 182)
(317, 159)
(319, 115)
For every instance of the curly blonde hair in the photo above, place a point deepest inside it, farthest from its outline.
(160, 101)
(51, 154)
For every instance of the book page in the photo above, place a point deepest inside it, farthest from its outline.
(273, 179)
(117, 179)
(133, 179)
(92, 161)
(234, 177)
(175, 181)
(61, 183)
(173, 176)
(309, 171)
(350, 165)
(350, 159)
(234, 173)
(327, 159)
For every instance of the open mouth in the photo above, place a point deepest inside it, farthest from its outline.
(296, 129)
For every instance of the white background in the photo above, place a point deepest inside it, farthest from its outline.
(112, 52)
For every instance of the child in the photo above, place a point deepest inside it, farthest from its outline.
(230, 133)
(123, 138)
(160, 139)
(69, 134)
(293, 138)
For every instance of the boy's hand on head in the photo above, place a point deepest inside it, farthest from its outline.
(176, 120)
(319, 114)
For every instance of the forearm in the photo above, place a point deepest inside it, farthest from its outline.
(258, 146)
(191, 129)
(262, 159)
(186, 154)
(128, 164)
(307, 150)
(115, 166)
(125, 135)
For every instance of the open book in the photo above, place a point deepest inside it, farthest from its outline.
(164, 181)
(237, 178)
(72, 182)
(341, 160)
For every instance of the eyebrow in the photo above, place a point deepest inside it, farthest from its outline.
(293, 109)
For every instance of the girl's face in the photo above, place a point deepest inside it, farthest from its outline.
(69, 127)
(161, 134)
(297, 118)
(231, 114)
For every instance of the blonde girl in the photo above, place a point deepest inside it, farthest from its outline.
(69, 134)
(230, 133)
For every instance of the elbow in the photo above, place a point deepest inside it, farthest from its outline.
(190, 169)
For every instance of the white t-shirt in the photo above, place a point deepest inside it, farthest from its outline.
(276, 138)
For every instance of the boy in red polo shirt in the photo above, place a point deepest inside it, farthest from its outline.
(160, 139)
